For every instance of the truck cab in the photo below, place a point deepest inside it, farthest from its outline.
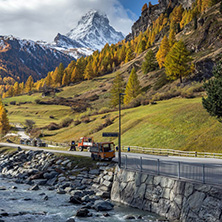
(85, 143)
(102, 151)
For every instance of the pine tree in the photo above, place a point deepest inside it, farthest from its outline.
(129, 55)
(172, 37)
(10, 91)
(163, 51)
(177, 62)
(60, 73)
(4, 122)
(29, 84)
(65, 79)
(88, 73)
(117, 88)
(16, 89)
(48, 79)
(21, 87)
(149, 63)
(132, 87)
(213, 102)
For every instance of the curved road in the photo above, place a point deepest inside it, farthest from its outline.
(206, 170)
(129, 155)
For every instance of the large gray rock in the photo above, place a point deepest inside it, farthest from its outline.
(101, 205)
(82, 212)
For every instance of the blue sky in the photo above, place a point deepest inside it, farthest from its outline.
(136, 5)
(43, 19)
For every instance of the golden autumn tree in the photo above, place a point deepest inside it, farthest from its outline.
(132, 87)
(172, 37)
(163, 51)
(16, 89)
(65, 79)
(178, 62)
(29, 84)
(4, 122)
(88, 73)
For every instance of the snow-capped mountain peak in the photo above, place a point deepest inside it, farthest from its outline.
(92, 32)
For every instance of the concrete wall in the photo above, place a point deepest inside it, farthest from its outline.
(171, 198)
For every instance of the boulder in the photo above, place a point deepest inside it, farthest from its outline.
(101, 205)
(82, 212)
(74, 200)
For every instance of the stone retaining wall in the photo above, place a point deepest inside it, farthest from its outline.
(171, 198)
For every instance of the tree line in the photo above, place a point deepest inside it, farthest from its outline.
(113, 56)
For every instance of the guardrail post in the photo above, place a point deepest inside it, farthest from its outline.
(203, 173)
(141, 164)
(126, 163)
(195, 154)
(158, 166)
(178, 170)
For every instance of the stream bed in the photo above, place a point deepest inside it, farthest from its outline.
(19, 204)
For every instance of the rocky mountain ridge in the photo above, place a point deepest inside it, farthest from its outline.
(150, 14)
(21, 58)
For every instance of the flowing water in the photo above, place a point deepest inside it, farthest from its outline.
(24, 205)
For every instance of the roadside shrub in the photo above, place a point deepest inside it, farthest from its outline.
(53, 126)
(35, 133)
(37, 101)
(66, 122)
(13, 103)
(29, 123)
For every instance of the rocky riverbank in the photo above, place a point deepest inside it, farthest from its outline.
(89, 189)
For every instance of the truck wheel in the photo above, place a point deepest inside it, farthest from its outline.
(92, 156)
(81, 148)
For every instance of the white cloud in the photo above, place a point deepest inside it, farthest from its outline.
(43, 19)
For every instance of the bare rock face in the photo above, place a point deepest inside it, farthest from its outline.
(152, 13)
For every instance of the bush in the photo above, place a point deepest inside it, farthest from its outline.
(37, 101)
(35, 133)
(13, 103)
(66, 122)
(29, 123)
(53, 126)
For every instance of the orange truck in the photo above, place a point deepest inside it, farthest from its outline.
(85, 143)
(102, 151)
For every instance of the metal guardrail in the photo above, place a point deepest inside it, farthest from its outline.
(203, 173)
(168, 152)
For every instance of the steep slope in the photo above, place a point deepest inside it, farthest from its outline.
(21, 58)
(92, 33)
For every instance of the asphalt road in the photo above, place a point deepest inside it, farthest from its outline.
(130, 156)
(206, 170)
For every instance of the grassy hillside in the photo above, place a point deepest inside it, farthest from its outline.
(177, 123)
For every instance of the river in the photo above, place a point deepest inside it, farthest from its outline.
(23, 205)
